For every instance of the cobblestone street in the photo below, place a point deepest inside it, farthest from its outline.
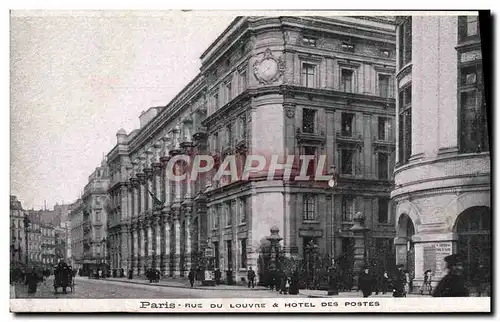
(107, 289)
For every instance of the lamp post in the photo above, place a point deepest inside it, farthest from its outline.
(360, 243)
(274, 239)
(333, 270)
(311, 251)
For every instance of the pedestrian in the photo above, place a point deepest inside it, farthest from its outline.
(130, 274)
(384, 281)
(191, 277)
(217, 276)
(251, 277)
(399, 282)
(32, 281)
(407, 284)
(427, 285)
(453, 284)
(294, 283)
(366, 282)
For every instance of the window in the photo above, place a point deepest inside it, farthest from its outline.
(347, 121)
(405, 127)
(309, 207)
(98, 216)
(243, 81)
(229, 214)
(383, 166)
(216, 101)
(228, 92)
(468, 27)
(308, 75)
(405, 42)
(229, 135)
(243, 127)
(383, 210)
(347, 161)
(348, 47)
(308, 120)
(309, 41)
(347, 80)
(243, 259)
(383, 85)
(216, 141)
(243, 210)
(229, 249)
(217, 216)
(98, 234)
(347, 208)
(384, 129)
(311, 167)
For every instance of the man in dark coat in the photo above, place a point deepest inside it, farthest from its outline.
(399, 282)
(191, 277)
(366, 282)
(453, 284)
(294, 283)
(251, 277)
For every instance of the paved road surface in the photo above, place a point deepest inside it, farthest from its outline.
(105, 289)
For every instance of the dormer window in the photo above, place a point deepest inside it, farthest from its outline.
(348, 47)
(309, 41)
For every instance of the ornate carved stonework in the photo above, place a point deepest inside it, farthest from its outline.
(268, 69)
(290, 110)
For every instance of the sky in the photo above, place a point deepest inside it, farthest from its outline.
(77, 78)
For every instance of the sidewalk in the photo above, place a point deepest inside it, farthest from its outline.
(181, 282)
(320, 294)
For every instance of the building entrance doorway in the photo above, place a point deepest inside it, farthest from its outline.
(405, 248)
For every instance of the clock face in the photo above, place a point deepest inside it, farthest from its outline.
(268, 69)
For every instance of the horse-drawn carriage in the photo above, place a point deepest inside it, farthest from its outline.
(64, 278)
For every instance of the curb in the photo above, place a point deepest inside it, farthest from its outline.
(184, 286)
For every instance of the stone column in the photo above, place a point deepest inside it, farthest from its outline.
(187, 234)
(141, 238)
(157, 248)
(135, 240)
(136, 200)
(149, 249)
(150, 188)
(177, 242)
(143, 197)
(166, 247)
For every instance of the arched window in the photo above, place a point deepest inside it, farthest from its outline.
(474, 242)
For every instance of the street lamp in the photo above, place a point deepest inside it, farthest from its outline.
(360, 243)
(274, 239)
(311, 251)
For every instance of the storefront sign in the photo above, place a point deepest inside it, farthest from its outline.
(442, 250)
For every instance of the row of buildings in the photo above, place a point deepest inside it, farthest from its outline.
(39, 237)
(398, 111)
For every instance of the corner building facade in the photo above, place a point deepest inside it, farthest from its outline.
(267, 86)
(442, 177)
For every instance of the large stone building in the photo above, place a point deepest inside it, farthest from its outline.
(267, 86)
(17, 231)
(94, 219)
(78, 243)
(442, 178)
